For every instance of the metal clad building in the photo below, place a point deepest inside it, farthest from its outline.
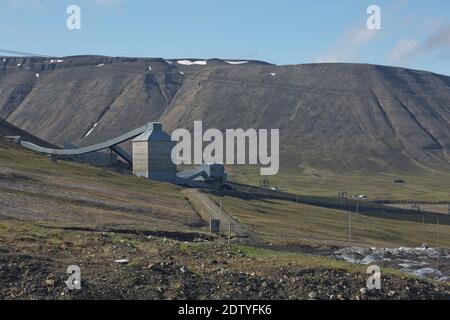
(152, 154)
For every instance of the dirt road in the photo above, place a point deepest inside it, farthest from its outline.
(210, 210)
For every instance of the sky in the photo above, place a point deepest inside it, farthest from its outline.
(414, 33)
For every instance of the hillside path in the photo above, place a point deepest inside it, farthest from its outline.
(210, 210)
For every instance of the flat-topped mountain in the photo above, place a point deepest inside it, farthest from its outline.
(336, 116)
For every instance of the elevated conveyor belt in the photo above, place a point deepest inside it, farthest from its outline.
(97, 147)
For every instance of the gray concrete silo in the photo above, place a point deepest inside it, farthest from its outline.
(152, 154)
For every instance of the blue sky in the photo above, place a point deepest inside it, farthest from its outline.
(414, 33)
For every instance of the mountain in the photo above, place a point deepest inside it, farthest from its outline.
(335, 116)
(7, 129)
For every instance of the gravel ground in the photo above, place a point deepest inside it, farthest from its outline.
(33, 267)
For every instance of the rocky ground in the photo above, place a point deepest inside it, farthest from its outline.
(433, 263)
(33, 262)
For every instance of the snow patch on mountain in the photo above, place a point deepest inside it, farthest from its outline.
(191, 63)
(90, 130)
(236, 62)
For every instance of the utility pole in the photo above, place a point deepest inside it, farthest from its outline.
(437, 231)
(357, 208)
(350, 228)
(438, 242)
(220, 217)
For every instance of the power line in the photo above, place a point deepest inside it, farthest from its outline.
(21, 53)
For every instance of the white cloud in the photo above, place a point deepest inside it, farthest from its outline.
(347, 48)
(360, 36)
(403, 49)
(437, 42)
(332, 57)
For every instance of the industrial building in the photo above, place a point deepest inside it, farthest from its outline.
(205, 174)
(151, 157)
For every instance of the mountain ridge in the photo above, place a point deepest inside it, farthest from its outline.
(339, 116)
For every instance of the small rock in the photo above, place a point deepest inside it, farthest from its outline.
(121, 261)
(312, 295)
(50, 282)
(183, 269)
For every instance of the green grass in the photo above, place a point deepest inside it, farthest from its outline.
(287, 223)
(33, 163)
(299, 259)
(77, 195)
(278, 222)
(305, 261)
(424, 186)
(28, 236)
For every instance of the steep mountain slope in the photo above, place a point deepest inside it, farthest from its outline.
(7, 129)
(336, 116)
